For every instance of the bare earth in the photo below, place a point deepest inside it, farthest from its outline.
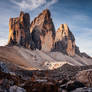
(33, 60)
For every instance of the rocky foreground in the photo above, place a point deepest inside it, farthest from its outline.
(67, 78)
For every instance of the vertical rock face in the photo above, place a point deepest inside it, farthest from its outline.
(65, 41)
(43, 31)
(19, 30)
(41, 34)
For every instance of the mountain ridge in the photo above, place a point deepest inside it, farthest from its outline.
(41, 34)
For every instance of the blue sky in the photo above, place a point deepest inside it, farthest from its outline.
(76, 13)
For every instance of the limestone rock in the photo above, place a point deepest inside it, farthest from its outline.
(19, 30)
(43, 31)
(40, 34)
(65, 41)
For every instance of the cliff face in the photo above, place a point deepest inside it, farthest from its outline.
(41, 34)
(19, 30)
(65, 41)
(43, 31)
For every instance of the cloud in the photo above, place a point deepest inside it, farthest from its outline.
(3, 42)
(85, 45)
(33, 4)
(83, 39)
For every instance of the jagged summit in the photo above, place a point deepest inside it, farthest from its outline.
(40, 19)
(19, 30)
(64, 40)
(46, 13)
(43, 31)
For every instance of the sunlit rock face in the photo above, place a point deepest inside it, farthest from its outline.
(41, 34)
(64, 40)
(19, 30)
(43, 31)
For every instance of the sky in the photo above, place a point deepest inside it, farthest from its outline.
(77, 14)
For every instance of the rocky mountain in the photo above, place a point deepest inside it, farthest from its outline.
(43, 31)
(41, 34)
(19, 30)
(65, 40)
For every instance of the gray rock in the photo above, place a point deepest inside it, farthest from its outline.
(16, 89)
(3, 67)
(85, 77)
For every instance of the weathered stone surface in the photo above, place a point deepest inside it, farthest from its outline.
(16, 89)
(85, 77)
(65, 41)
(84, 89)
(43, 31)
(19, 30)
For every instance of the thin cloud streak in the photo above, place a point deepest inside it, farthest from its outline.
(51, 3)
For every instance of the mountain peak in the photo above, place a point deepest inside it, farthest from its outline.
(43, 28)
(19, 30)
(41, 34)
(46, 12)
(65, 41)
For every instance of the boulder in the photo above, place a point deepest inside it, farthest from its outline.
(64, 40)
(71, 85)
(16, 89)
(85, 77)
(43, 31)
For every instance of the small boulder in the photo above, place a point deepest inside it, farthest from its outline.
(16, 89)
(85, 77)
